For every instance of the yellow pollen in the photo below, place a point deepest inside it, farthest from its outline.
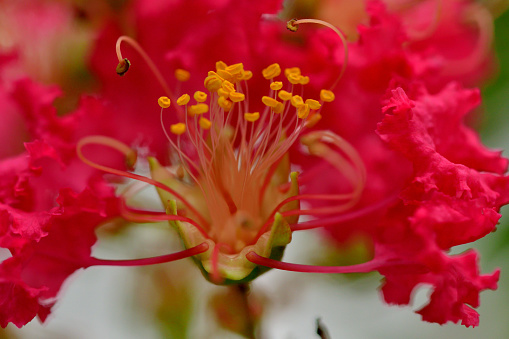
(235, 68)
(304, 80)
(271, 72)
(327, 96)
(277, 85)
(303, 111)
(223, 93)
(268, 101)
(204, 123)
(164, 102)
(183, 100)
(225, 75)
(294, 78)
(252, 117)
(247, 75)
(220, 65)
(291, 26)
(213, 83)
(182, 75)
(237, 97)
(284, 95)
(313, 104)
(224, 103)
(199, 96)
(198, 109)
(228, 86)
(297, 101)
(279, 108)
(178, 129)
(295, 70)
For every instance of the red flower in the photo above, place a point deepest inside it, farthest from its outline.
(406, 173)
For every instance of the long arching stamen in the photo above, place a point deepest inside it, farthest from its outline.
(129, 153)
(142, 216)
(369, 266)
(203, 247)
(124, 62)
(338, 219)
(292, 25)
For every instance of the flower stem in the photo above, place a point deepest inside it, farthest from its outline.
(243, 290)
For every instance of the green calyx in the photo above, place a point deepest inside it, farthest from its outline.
(231, 268)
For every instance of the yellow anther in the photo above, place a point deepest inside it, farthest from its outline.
(290, 25)
(294, 78)
(220, 65)
(182, 75)
(224, 103)
(247, 75)
(222, 93)
(279, 108)
(211, 73)
(313, 104)
(284, 95)
(304, 80)
(204, 123)
(198, 109)
(235, 68)
(228, 86)
(303, 111)
(292, 70)
(237, 97)
(164, 102)
(252, 117)
(268, 101)
(199, 96)
(327, 96)
(297, 101)
(225, 75)
(178, 129)
(213, 83)
(271, 72)
(277, 85)
(183, 100)
(313, 120)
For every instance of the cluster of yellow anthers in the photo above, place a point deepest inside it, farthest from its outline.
(224, 85)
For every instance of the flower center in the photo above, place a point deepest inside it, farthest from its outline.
(234, 157)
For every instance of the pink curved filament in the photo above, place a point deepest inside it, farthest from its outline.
(338, 219)
(369, 266)
(343, 41)
(128, 152)
(136, 215)
(203, 247)
(153, 68)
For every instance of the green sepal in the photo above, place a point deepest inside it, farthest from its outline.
(234, 269)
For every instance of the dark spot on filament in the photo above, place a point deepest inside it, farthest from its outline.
(123, 67)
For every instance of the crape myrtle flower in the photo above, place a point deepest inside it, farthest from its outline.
(230, 191)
